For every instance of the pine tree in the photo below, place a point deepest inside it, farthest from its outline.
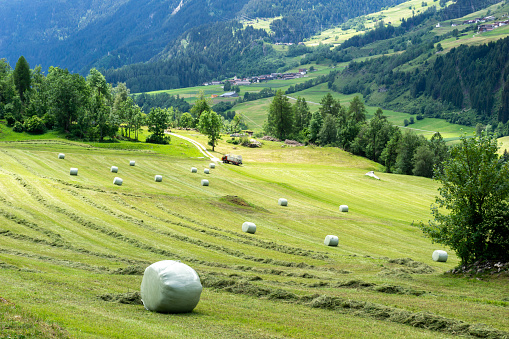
(280, 119)
(21, 77)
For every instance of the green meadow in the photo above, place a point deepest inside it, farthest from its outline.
(73, 248)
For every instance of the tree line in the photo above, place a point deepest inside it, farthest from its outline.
(337, 126)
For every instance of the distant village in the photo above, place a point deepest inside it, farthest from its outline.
(484, 27)
(256, 79)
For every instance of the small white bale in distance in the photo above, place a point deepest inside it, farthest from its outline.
(194, 170)
(204, 182)
(74, 171)
(132, 163)
(206, 171)
(331, 240)
(439, 255)
(282, 202)
(114, 169)
(61, 156)
(343, 208)
(372, 174)
(212, 165)
(118, 181)
(158, 178)
(249, 227)
(170, 286)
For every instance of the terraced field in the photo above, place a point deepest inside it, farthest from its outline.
(73, 248)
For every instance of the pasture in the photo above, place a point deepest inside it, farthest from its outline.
(73, 249)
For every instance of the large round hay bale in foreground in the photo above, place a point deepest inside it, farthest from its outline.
(343, 208)
(282, 202)
(439, 255)
(114, 169)
(212, 165)
(204, 182)
(206, 171)
(194, 170)
(74, 171)
(132, 163)
(249, 227)
(61, 156)
(118, 181)
(158, 178)
(170, 286)
(331, 240)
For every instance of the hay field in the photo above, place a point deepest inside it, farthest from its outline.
(70, 244)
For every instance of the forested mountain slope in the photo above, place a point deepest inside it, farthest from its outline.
(106, 33)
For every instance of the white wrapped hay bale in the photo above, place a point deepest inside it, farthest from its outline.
(114, 169)
(74, 171)
(118, 181)
(61, 156)
(331, 240)
(204, 182)
(282, 202)
(212, 165)
(132, 163)
(170, 286)
(206, 171)
(343, 208)
(158, 178)
(194, 170)
(439, 255)
(249, 227)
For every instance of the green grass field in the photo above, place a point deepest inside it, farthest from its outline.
(69, 242)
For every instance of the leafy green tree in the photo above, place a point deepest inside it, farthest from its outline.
(201, 105)
(329, 105)
(280, 119)
(21, 77)
(186, 120)
(210, 124)
(158, 120)
(315, 125)
(423, 161)
(68, 97)
(328, 132)
(406, 149)
(302, 114)
(227, 86)
(471, 213)
(390, 152)
(357, 111)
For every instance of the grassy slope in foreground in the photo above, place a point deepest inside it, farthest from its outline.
(65, 241)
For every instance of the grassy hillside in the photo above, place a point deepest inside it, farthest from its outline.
(68, 243)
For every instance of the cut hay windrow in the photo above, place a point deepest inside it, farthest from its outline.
(158, 178)
(74, 171)
(359, 308)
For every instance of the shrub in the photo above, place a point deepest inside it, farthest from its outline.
(10, 120)
(18, 127)
(406, 122)
(157, 139)
(34, 125)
